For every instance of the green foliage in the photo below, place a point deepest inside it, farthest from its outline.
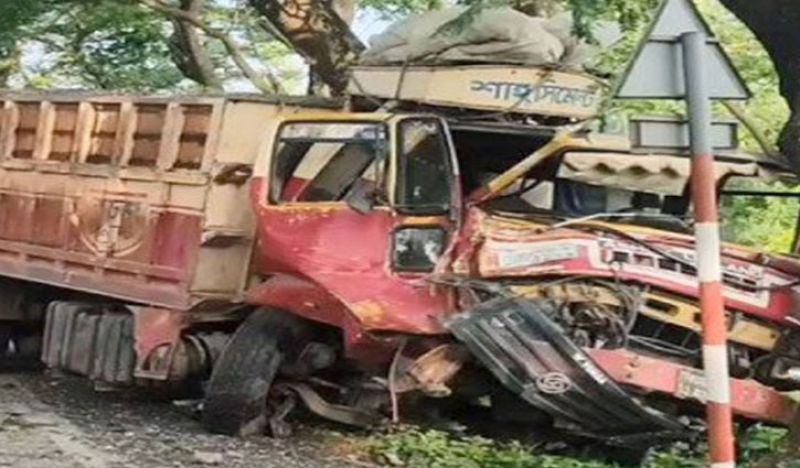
(434, 449)
(763, 222)
(14, 18)
(107, 44)
(631, 14)
(762, 442)
(120, 45)
(767, 106)
(678, 456)
(16, 15)
(395, 8)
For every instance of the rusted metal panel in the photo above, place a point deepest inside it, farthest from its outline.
(750, 399)
(157, 329)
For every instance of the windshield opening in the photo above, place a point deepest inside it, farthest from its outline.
(609, 189)
(322, 161)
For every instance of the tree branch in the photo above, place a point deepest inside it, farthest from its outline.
(269, 86)
(770, 151)
(187, 50)
(318, 33)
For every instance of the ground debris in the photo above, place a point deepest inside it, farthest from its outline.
(208, 458)
(47, 423)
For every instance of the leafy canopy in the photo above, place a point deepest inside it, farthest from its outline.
(118, 44)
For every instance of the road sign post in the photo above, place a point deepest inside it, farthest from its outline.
(681, 59)
(707, 246)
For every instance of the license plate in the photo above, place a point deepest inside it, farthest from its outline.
(692, 385)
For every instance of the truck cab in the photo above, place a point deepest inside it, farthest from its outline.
(451, 248)
(372, 196)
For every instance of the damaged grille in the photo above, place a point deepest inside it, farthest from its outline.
(527, 352)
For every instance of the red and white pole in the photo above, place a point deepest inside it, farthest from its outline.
(707, 245)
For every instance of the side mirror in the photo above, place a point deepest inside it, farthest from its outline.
(236, 174)
(362, 196)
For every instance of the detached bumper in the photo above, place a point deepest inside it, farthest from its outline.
(527, 352)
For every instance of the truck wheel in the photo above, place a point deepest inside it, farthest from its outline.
(5, 338)
(236, 395)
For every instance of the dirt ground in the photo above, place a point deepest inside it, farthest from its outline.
(54, 422)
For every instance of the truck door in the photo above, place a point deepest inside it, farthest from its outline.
(361, 210)
(427, 195)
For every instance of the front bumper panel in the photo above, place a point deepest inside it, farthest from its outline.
(528, 353)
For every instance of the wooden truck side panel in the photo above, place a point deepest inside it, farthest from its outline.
(123, 197)
(229, 229)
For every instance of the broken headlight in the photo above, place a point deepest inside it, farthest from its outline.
(418, 249)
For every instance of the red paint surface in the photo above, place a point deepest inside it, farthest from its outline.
(596, 259)
(176, 241)
(721, 436)
(750, 399)
(155, 328)
(55, 240)
(341, 257)
(715, 330)
(712, 304)
(704, 189)
(302, 297)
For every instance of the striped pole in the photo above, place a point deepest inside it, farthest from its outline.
(707, 245)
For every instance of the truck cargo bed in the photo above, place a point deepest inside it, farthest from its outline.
(119, 196)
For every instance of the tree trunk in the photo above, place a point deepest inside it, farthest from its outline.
(776, 24)
(188, 50)
(315, 29)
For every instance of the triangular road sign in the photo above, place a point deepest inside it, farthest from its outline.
(657, 69)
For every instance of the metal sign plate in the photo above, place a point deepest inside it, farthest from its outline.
(492, 88)
(657, 69)
(659, 134)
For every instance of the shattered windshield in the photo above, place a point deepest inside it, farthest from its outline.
(321, 161)
(568, 199)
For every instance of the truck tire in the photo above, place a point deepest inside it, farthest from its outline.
(236, 394)
(6, 331)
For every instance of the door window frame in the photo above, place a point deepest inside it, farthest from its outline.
(398, 158)
(273, 164)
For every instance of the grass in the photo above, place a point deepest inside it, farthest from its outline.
(435, 449)
(420, 448)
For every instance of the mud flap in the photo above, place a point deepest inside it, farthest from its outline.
(526, 351)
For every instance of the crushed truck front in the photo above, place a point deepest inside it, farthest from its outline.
(564, 269)
(593, 247)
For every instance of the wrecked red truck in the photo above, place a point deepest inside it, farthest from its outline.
(279, 252)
